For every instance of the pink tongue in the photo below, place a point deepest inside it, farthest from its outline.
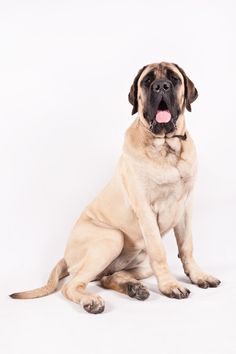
(163, 116)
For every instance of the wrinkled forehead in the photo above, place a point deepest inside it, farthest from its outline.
(161, 70)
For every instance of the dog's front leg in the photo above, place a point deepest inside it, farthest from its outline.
(147, 220)
(168, 285)
(183, 236)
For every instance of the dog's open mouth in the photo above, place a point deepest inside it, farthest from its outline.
(163, 114)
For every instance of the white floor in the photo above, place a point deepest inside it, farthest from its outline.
(202, 324)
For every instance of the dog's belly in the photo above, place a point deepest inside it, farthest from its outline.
(125, 261)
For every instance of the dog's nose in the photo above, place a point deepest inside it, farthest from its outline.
(161, 85)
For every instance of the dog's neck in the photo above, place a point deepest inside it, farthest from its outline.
(140, 137)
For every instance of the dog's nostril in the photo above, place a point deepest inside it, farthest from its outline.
(156, 87)
(166, 86)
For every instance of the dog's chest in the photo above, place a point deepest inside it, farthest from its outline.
(169, 205)
(168, 199)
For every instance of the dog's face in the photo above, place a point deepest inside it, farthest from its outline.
(160, 93)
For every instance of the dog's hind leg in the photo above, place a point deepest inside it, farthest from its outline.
(89, 259)
(126, 282)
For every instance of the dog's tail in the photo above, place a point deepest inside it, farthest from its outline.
(58, 272)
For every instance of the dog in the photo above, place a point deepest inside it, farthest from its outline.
(118, 238)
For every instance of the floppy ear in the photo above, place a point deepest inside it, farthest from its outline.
(191, 93)
(133, 99)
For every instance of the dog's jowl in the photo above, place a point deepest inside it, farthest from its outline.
(152, 192)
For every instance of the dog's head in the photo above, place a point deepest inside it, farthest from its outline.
(160, 93)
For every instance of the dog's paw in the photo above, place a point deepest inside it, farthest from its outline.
(174, 290)
(137, 290)
(205, 281)
(94, 304)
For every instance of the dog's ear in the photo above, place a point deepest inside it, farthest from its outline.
(191, 93)
(133, 94)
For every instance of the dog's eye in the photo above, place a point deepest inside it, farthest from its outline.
(147, 81)
(174, 79)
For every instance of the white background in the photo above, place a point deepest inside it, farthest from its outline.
(66, 69)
